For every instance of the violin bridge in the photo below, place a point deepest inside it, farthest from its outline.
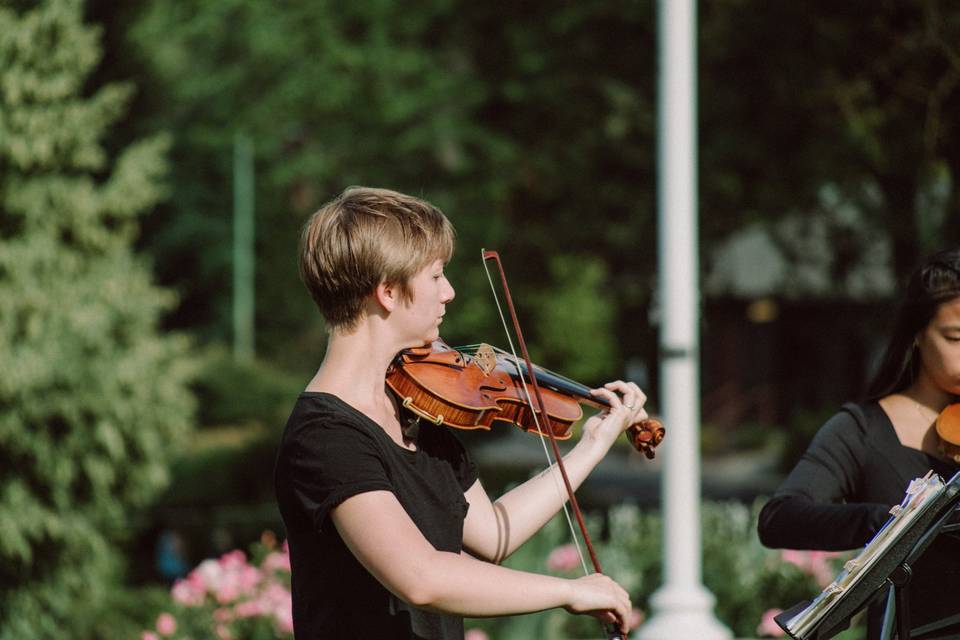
(485, 358)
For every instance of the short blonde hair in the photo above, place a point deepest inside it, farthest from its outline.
(363, 237)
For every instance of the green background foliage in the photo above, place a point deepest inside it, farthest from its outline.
(531, 124)
(533, 127)
(92, 396)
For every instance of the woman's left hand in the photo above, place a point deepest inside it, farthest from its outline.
(626, 409)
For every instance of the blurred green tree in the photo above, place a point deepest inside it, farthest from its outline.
(860, 96)
(333, 94)
(491, 120)
(93, 398)
(533, 126)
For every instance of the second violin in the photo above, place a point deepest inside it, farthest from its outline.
(948, 429)
(477, 390)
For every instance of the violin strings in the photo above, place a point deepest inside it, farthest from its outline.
(473, 347)
(536, 421)
(560, 376)
(576, 387)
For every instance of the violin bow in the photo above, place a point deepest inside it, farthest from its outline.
(613, 633)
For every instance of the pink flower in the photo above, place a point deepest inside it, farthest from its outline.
(166, 624)
(227, 593)
(563, 558)
(230, 578)
(149, 635)
(223, 615)
(248, 578)
(813, 563)
(284, 619)
(207, 576)
(476, 634)
(187, 593)
(820, 567)
(275, 600)
(233, 559)
(768, 626)
(276, 561)
(238, 590)
(248, 609)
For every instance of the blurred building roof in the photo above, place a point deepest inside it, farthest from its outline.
(829, 253)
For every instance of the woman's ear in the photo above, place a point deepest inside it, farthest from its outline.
(387, 296)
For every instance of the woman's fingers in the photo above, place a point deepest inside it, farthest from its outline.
(599, 596)
(624, 395)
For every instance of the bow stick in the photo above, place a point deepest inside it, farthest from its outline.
(612, 631)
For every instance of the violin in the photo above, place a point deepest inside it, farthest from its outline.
(479, 390)
(948, 428)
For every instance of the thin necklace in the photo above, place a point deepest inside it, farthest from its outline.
(942, 448)
(926, 418)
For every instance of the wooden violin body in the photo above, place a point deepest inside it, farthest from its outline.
(477, 391)
(948, 428)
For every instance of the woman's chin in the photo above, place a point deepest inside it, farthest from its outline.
(423, 342)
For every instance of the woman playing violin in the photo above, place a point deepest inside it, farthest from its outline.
(391, 533)
(863, 458)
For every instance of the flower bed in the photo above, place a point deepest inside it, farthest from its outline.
(233, 598)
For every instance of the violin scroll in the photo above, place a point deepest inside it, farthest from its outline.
(646, 436)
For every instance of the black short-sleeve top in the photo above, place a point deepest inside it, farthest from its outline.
(330, 452)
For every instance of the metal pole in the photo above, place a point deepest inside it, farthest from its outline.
(682, 606)
(243, 285)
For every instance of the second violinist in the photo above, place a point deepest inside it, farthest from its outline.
(391, 533)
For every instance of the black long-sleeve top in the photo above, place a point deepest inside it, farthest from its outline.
(840, 493)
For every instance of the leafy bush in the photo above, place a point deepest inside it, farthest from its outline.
(93, 397)
(220, 497)
(216, 469)
(230, 391)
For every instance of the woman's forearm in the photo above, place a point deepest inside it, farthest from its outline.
(525, 509)
(466, 586)
(458, 583)
(795, 522)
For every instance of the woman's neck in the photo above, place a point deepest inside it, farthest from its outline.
(354, 366)
(354, 369)
(928, 395)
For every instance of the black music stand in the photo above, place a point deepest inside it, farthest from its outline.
(896, 617)
(894, 568)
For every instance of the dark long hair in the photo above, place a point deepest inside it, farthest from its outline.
(934, 282)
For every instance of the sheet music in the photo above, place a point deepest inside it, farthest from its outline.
(920, 493)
